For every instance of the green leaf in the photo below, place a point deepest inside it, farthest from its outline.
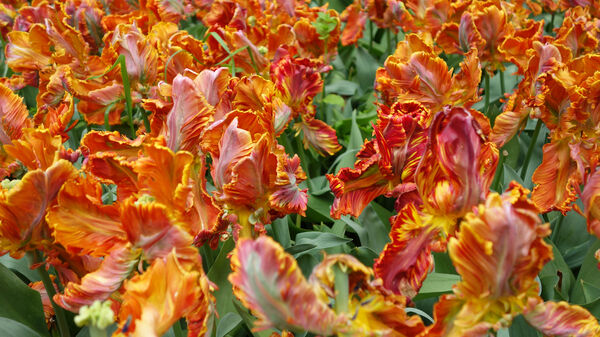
(324, 24)
(572, 238)
(556, 278)
(509, 175)
(514, 150)
(437, 284)
(377, 230)
(249, 320)
(317, 209)
(587, 285)
(20, 267)
(355, 142)
(281, 231)
(25, 304)
(228, 323)
(443, 263)
(334, 100)
(365, 255)
(8, 327)
(342, 87)
(218, 275)
(319, 240)
(318, 185)
(366, 66)
(520, 328)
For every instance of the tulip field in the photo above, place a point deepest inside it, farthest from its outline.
(299, 168)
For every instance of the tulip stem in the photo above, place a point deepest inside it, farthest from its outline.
(389, 41)
(486, 81)
(341, 289)
(534, 137)
(177, 330)
(63, 326)
(502, 85)
(371, 37)
(499, 171)
(556, 228)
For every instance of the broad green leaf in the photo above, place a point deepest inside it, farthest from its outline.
(249, 320)
(281, 231)
(334, 100)
(556, 278)
(377, 230)
(366, 66)
(218, 275)
(437, 284)
(355, 142)
(443, 263)
(20, 266)
(228, 323)
(319, 240)
(509, 175)
(20, 303)
(318, 208)
(520, 328)
(318, 185)
(513, 151)
(571, 237)
(342, 87)
(587, 285)
(365, 255)
(9, 327)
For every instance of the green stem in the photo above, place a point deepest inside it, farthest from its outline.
(502, 85)
(499, 171)
(95, 332)
(63, 326)
(534, 137)
(341, 289)
(370, 37)
(556, 228)
(127, 90)
(486, 81)
(389, 41)
(177, 330)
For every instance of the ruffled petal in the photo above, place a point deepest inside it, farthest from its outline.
(24, 206)
(167, 291)
(99, 285)
(405, 262)
(82, 224)
(319, 136)
(556, 179)
(268, 282)
(561, 319)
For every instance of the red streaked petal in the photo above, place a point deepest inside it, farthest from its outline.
(556, 179)
(319, 136)
(81, 223)
(100, 284)
(561, 319)
(269, 282)
(405, 262)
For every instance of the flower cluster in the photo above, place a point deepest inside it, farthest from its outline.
(136, 121)
(155, 135)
